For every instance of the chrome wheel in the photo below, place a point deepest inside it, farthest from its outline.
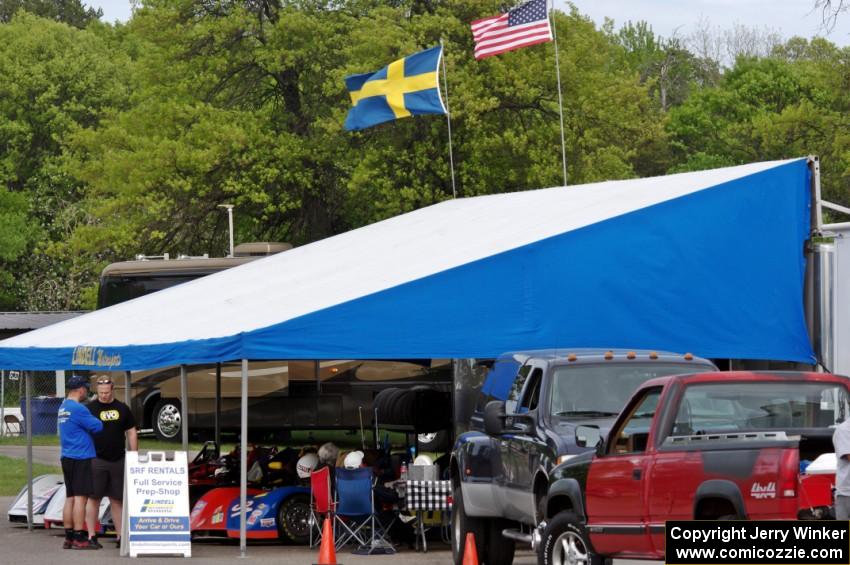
(570, 550)
(169, 420)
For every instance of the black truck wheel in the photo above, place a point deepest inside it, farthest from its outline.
(565, 542)
(293, 519)
(500, 549)
(462, 525)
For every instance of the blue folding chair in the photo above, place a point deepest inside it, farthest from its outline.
(354, 508)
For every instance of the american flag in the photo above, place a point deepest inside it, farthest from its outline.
(525, 25)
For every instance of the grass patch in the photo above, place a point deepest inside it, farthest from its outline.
(36, 440)
(13, 474)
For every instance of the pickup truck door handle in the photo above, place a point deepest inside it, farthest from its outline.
(636, 474)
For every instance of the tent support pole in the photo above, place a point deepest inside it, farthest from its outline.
(243, 462)
(28, 422)
(128, 379)
(184, 407)
(217, 436)
(2, 403)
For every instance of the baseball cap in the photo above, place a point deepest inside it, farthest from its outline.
(76, 382)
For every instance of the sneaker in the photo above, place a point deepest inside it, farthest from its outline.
(118, 541)
(82, 544)
(68, 544)
(93, 541)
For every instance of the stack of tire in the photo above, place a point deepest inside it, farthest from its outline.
(420, 408)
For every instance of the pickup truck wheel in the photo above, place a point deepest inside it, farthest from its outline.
(565, 542)
(462, 525)
(500, 549)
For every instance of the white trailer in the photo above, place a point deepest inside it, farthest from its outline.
(829, 305)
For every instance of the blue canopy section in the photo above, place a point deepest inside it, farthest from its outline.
(715, 270)
(718, 273)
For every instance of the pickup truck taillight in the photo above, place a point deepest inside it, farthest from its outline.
(789, 473)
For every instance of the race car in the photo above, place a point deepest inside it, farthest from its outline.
(282, 513)
(53, 512)
(44, 488)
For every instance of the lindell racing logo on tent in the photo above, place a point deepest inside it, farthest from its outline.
(94, 357)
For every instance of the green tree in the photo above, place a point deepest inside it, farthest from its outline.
(71, 12)
(57, 80)
(665, 64)
(16, 234)
(244, 103)
(789, 105)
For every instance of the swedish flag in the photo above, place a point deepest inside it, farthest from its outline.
(407, 87)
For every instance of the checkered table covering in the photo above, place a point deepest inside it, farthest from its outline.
(428, 495)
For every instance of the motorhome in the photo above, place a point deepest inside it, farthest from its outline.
(283, 395)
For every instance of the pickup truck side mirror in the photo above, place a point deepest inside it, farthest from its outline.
(600, 447)
(494, 418)
(588, 436)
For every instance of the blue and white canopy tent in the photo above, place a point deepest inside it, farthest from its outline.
(709, 262)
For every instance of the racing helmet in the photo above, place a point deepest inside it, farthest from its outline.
(306, 465)
(353, 460)
(328, 453)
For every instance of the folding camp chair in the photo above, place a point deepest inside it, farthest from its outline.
(321, 503)
(354, 507)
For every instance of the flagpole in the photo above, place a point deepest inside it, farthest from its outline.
(448, 119)
(560, 97)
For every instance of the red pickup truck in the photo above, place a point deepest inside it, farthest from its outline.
(707, 446)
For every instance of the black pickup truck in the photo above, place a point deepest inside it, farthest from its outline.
(525, 423)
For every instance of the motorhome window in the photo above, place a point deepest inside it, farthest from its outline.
(588, 391)
(761, 406)
(114, 290)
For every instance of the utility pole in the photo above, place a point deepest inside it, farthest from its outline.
(229, 208)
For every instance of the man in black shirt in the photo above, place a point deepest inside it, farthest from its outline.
(108, 466)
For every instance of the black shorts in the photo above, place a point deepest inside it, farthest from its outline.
(108, 478)
(78, 476)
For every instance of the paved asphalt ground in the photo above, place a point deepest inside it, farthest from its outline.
(19, 546)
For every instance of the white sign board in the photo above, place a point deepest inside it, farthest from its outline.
(158, 504)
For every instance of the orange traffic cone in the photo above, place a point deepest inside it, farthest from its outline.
(327, 551)
(470, 554)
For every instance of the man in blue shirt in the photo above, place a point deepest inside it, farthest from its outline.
(76, 428)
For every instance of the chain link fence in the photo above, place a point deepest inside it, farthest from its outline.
(48, 391)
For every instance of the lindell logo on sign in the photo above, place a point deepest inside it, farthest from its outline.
(763, 491)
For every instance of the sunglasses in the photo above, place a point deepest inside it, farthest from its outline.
(104, 382)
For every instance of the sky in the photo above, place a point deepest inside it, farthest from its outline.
(788, 17)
